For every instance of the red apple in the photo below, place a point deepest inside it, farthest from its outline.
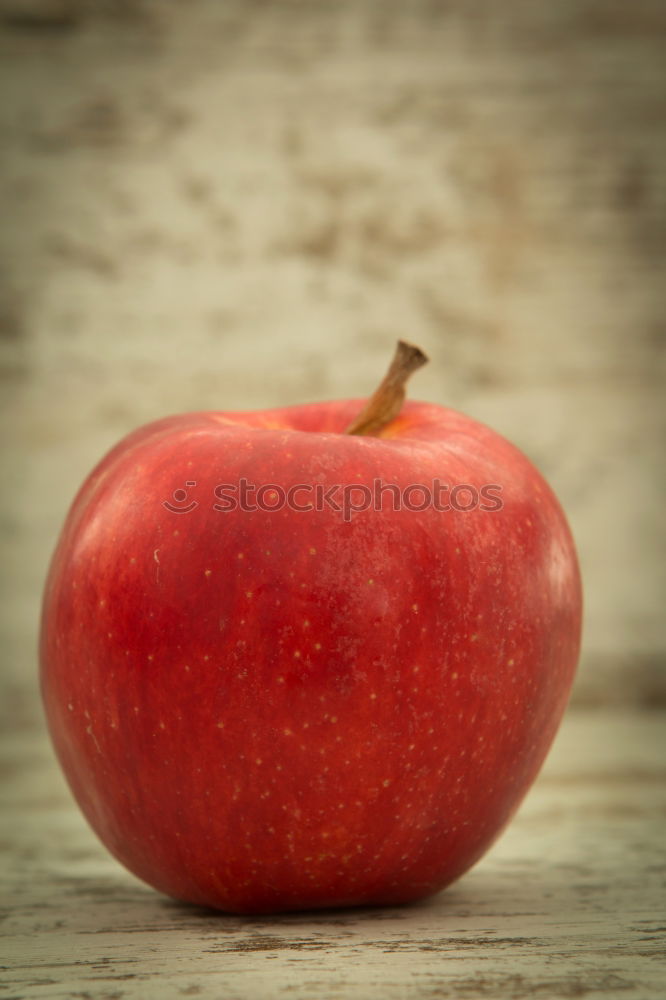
(295, 706)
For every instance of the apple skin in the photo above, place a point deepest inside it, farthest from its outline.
(277, 710)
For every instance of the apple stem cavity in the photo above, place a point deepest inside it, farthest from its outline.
(386, 401)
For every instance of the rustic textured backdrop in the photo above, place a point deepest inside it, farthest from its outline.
(235, 203)
(243, 203)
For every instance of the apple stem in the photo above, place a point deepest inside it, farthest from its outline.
(386, 401)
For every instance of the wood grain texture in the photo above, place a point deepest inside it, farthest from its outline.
(569, 903)
(193, 193)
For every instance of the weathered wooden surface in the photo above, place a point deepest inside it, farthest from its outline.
(569, 903)
(238, 204)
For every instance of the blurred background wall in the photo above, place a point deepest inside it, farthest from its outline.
(243, 203)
